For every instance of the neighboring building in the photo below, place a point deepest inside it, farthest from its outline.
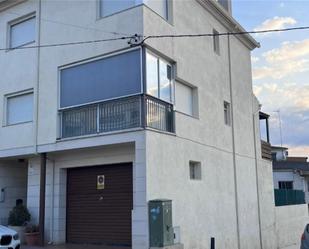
(279, 153)
(91, 132)
(291, 174)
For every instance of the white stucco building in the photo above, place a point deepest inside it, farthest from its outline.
(290, 173)
(171, 118)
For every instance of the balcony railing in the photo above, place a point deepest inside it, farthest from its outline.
(289, 197)
(116, 115)
(266, 150)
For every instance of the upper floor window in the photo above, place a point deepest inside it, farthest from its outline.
(216, 41)
(109, 7)
(158, 77)
(22, 32)
(159, 6)
(285, 185)
(195, 169)
(227, 113)
(186, 99)
(110, 77)
(19, 108)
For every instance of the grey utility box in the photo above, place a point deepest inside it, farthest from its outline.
(160, 223)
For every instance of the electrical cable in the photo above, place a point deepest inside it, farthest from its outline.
(133, 40)
(67, 44)
(226, 33)
(75, 26)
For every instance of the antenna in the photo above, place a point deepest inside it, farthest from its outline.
(280, 127)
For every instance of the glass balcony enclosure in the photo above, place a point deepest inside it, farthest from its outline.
(110, 94)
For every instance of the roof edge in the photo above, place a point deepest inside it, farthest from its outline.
(5, 4)
(229, 22)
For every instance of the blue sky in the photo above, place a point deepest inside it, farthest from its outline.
(281, 66)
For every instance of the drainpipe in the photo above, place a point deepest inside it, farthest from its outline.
(51, 241)
(37, 85)
(257, 181)
(233, 143)
(42, 198)
(35, 138)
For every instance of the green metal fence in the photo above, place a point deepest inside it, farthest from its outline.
(289, 197)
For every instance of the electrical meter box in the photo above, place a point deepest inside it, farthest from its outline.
(160, 223)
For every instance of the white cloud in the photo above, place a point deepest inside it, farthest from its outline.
(289, 96)
(288, 59)
(276, 23)
(293, 102)
(281, 70)
(288, 51)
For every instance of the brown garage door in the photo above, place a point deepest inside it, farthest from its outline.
(96, 215)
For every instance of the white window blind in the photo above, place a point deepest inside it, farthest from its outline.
(184, 98)
(20, 109)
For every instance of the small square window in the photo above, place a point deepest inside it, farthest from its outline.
(22, 32)
(227, 113)
(195, 170)
(216, 41)
(285, 184)
(19, 108)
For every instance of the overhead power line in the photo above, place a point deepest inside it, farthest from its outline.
(68, 44)
(226, 33)
(137, 39)
(75, 25)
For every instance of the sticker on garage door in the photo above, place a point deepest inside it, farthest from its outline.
(101, 182)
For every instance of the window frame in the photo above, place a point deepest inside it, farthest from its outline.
(227, 111)
(17, 21)
(169, 13)
(216, 41)
(101, 16)
(195, 102)
(197, 170)
(5, 107)
(171, 64)
(284, 183)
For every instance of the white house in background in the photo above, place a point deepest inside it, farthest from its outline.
(169, 118)
(279, 153)
(290, 173)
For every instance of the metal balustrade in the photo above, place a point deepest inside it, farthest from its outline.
(159, 114)
(116, 115)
